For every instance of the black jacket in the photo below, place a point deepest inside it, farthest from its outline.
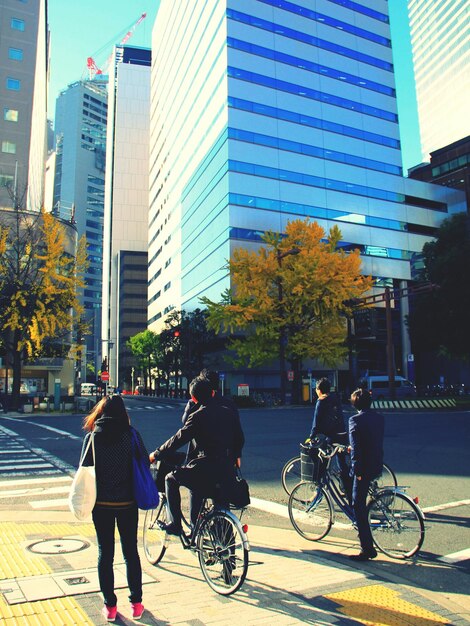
(366, 435)
(214, 429)
(113, 460)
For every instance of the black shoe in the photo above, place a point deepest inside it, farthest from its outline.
(170, 529)
(364, 556)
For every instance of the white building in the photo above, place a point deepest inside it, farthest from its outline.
(440, 39)
(126, 200)
(264, 111)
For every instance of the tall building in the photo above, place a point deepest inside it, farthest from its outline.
(126, 207)
(449, 166)
(23, 87)
(440, 39)
(264, 111)
(80, 155)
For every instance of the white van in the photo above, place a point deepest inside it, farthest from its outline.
(87, 389)
(378, 386)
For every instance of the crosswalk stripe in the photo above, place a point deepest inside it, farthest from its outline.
(45, 504)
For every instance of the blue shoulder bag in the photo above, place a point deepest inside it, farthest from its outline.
(145, 490)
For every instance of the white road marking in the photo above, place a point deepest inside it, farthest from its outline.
(447, 505)
(455, 557)
(30, 482)
(281, 510)
(35, 491)
(18, 466)
(45, 504)
(64, 433)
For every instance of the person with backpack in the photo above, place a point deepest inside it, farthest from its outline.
(328, 420)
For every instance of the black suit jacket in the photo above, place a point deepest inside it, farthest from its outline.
(215, 431)
(366, 435)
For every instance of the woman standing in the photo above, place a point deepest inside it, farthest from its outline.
(110, 425)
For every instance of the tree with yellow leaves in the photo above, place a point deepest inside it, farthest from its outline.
(290, 299)
(41, 274)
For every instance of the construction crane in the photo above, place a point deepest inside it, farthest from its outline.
(92, 66)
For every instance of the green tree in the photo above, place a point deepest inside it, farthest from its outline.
(40, 280)
(146, 346)
(291, 296)
(438, 320)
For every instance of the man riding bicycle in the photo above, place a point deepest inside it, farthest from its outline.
(328, 420)
(217, 440)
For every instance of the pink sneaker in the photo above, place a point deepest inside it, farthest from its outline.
(137, 610)
(109, 612)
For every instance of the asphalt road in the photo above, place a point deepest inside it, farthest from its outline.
(427, 450)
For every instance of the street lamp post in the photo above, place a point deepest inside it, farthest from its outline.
(282, 330)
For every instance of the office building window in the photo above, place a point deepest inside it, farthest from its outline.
(13, 84)
(16, 54)
(17, 24)
(6, 180)
(9, 147)
(10, 115)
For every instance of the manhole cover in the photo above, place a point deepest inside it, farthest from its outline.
(58, 546)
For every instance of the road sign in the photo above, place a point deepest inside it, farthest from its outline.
(221, 376)
(105, 376)
(290, 375)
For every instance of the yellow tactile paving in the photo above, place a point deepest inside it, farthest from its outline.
(17, 563)
(376, 605)
(58, 612)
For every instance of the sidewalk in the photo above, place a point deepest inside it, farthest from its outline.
(48, 577)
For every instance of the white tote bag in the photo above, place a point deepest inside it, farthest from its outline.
(82, 496)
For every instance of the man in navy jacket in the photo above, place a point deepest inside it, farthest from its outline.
(366, 434)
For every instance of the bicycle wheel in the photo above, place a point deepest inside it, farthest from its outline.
(155, 539)
(310, 511)
(396, 523)
(222, 547)
(290, 475)
(387, 479)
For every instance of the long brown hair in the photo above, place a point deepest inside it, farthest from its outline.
(97, 411)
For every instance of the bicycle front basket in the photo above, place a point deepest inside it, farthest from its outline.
(312, 468)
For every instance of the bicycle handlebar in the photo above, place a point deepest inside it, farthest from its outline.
(335, 449)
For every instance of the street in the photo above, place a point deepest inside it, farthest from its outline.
(427, 450)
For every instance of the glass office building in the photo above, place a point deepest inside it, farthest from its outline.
(80, 144)
(265, 111)
(440, 38)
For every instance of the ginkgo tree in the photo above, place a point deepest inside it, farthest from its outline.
(41, 275)
(290, 297)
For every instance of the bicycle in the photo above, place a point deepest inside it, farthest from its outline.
(291, 475)
(218, 539)
(396, 521)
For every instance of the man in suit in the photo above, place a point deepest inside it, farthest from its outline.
(328, 420)
(217, 438)
(366, 434)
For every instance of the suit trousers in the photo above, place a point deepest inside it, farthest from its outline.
(360, 489)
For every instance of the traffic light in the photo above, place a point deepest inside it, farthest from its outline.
(104, 364)
(365, 323)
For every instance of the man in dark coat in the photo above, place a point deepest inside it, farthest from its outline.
(328, 420)
(366, 434)
(217, 440)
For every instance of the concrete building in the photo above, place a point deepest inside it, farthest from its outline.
(265, 111)
(126, 204)
(440, 39)
(449, 166)
(79, 182)
(23, 87)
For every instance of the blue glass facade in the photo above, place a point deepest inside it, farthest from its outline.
(272, 110)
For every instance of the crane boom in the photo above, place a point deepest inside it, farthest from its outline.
(93, 68)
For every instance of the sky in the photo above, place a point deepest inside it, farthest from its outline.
(84, 28)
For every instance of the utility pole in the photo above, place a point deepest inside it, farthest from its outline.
(282, 330)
